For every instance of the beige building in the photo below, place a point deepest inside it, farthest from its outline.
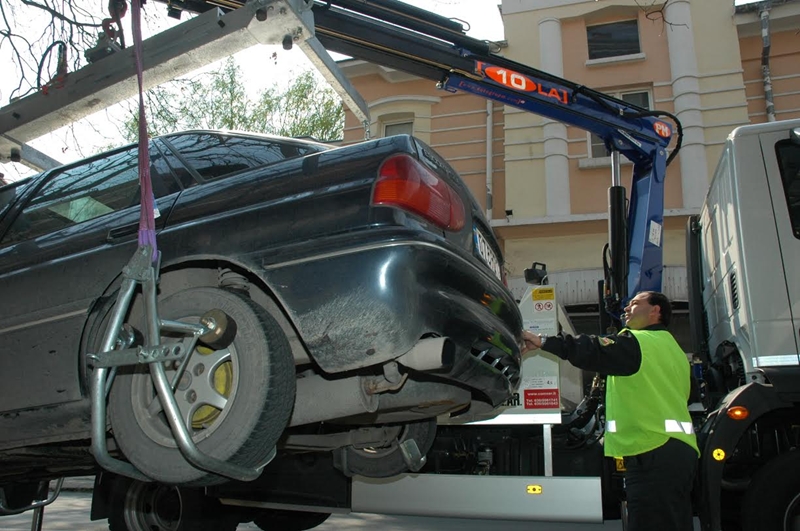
(545, 184)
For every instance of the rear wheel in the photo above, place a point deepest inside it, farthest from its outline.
(138, 506)
(388, 461)
(235, 400)
(280, 520)
(772, 500)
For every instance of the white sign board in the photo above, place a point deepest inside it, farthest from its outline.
(538, 400)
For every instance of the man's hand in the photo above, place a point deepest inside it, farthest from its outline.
(531, 341)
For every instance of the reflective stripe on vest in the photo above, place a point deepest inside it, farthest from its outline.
(673, 426)
(670, 426)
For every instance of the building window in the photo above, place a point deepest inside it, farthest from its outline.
(639, 98)
(613, 40)
(400, 128)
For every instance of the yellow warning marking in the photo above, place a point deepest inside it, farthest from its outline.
(542, 294)
(718, 454)
(619, 463)
(534, 489)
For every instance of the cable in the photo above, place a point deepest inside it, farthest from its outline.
(62, 54)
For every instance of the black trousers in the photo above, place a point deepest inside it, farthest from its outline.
(658, 487)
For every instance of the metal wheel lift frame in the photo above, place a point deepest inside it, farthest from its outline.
(259, 21)
(141, 271)
(37, 506)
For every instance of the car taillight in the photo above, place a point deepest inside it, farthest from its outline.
(406, 183)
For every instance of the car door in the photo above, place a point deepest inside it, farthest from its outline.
(61, 249)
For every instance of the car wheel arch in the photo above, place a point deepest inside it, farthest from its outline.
(187, 273)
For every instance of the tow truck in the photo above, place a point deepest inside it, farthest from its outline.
(745, 323)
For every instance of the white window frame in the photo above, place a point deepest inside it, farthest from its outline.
(612, 57)
(403, 121)
(619, 95)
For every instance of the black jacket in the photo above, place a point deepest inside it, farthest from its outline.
(613, 355)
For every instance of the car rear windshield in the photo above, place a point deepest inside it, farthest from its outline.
(215, 155)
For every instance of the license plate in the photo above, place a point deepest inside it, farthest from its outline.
(486, 252)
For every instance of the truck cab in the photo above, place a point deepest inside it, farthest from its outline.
(749, 232)
(745, 304)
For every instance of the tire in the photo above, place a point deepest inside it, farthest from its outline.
(251, 383)
(280, 520)
(139, 506)
(386, 462)
(772, 501)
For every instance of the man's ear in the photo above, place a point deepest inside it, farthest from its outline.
(655, 312)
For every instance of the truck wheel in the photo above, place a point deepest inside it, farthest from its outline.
(139, 506)
(236, 400)
(280, 520)
(772, 500)
(386, 461)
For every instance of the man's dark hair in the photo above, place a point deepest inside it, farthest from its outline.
(655, 298)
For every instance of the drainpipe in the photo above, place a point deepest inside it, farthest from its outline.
(764, 14)
(489, 142)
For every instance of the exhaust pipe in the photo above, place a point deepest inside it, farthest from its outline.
(430, 354)
(319, 398)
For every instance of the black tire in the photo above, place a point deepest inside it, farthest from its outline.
(251, 382)
(772, 501)
(388, 461)
(280, 520)
(138, 506)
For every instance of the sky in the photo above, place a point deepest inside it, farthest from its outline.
(482, 17)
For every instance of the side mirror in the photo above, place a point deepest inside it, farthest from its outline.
(794, 135)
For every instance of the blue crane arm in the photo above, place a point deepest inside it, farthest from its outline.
(637, 133)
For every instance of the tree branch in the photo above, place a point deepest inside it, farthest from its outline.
(59, 16)
(655, 13)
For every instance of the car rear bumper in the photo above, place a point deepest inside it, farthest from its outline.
(370, 303)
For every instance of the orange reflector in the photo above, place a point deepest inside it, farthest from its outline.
(738, 413)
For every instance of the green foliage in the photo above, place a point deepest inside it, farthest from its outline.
(219, 100)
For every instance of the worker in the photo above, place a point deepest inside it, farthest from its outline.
(647, 418)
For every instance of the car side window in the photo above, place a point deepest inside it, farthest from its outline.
(105, 184)
(215, 155)
(789, 164)
(10, 192)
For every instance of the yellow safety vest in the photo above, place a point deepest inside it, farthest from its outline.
(645, 409)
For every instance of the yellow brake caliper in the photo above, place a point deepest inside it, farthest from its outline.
(223, 383)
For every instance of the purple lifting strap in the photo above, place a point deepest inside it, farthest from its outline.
(147, 222)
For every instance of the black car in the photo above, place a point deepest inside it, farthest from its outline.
(365, 283)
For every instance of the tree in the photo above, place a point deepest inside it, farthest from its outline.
(220, 100)
(35, 34)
